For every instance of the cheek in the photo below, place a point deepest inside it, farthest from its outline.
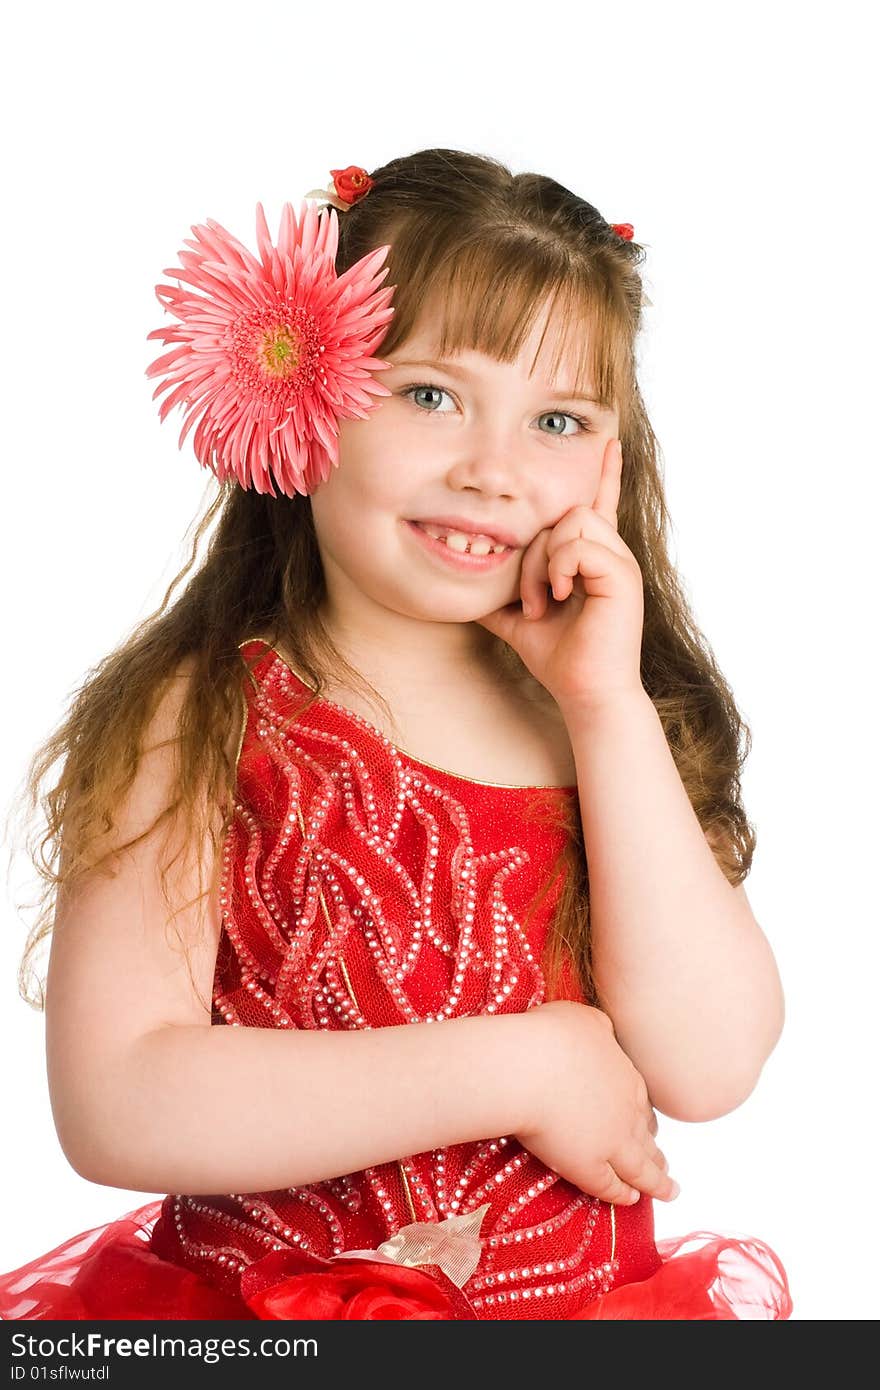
(358, 505)
(379, 466)
(561, 490)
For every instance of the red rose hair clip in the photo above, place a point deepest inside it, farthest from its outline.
(348, 187)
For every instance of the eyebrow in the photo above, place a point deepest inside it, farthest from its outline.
(463, 372)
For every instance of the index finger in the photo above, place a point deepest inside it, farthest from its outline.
(608, 494)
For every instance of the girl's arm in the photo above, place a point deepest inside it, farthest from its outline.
(190, 1108)
(681, 965)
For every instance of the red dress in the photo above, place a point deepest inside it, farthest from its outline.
(363, 888)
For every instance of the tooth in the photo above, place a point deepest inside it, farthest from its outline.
(463, 541)
(457, 540)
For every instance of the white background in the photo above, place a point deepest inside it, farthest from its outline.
(736, 140)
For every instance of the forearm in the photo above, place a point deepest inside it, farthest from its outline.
(680, 963)
(234, 1109)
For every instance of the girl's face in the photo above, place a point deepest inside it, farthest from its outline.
(471, 439)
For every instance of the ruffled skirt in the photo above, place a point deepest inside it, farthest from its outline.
(110, 1272)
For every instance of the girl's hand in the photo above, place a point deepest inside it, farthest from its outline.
(584, 645)
(592, 1122)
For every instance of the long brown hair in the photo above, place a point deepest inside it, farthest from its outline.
(486, 248)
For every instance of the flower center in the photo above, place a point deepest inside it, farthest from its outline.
(275, 353)
(279, 351)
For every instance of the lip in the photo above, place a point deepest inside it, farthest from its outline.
(471, 527)
(457, 559)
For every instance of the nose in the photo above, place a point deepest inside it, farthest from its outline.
(486, 460)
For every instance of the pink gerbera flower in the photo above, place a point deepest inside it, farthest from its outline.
(273, 352)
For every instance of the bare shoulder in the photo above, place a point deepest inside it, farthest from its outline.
(511, 735)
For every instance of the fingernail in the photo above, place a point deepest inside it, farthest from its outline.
(528, 610)
(675, 1189)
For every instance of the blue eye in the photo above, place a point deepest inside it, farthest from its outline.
(585, 425)
(423, 386)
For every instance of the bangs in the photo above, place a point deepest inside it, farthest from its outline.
(489, 294)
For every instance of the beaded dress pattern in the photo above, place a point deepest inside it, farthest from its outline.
(363, 889)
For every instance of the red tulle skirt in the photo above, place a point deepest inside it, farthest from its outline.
(110, 1272)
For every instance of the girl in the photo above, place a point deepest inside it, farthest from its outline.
(366, 775)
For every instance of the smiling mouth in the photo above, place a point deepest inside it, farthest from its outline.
(460, 542)
(459, 555)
